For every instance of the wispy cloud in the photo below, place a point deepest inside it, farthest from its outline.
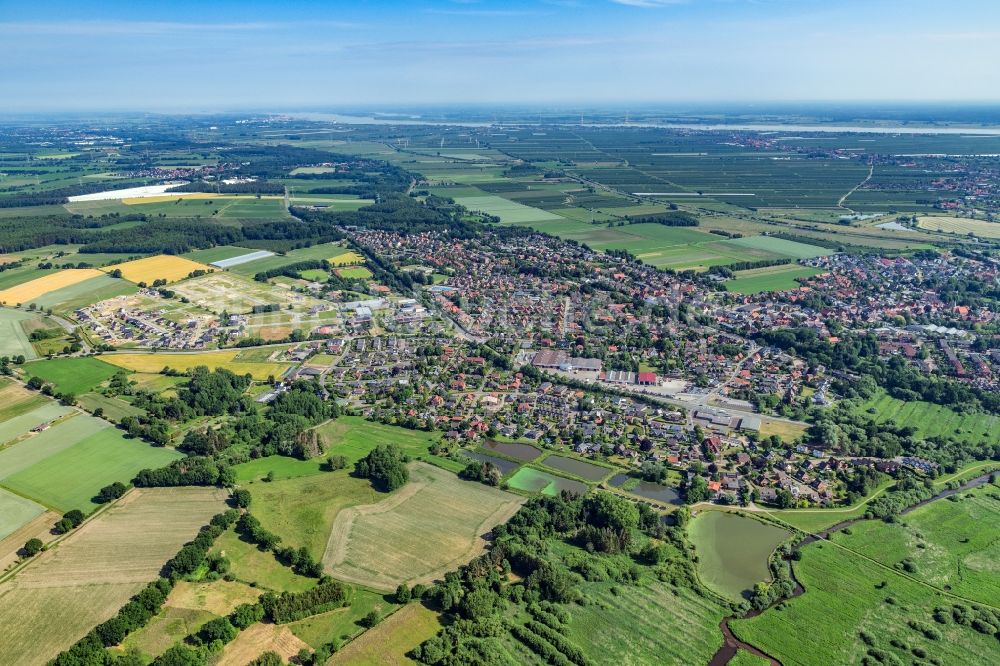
(153, 27)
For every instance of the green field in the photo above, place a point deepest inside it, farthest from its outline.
(733, 551)
(952, 545)
(316, 252)
(258, 568)
(301, 510)
(852, 605)
(773, 278)
(84, 293)
(645, 624)
(342, 623)
(780, 246)
(15, 511)
(37, 448)
(355, 273)
(353, 437)
(13, 339)
(932, 420)
(70, 478)
(74, 375)
(217, 253)
(509, 212)
(18, 425)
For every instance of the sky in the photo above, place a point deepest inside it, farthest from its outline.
(225, 55)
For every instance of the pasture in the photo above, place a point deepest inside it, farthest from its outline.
(160, 267)
(959, 225)
(772, 278)
(932, 420)
(66, 591)
(154, 363)
(733, 551)
(848, 596)
(951, 545)
(388, 642)
(430, 526)
(13, 340)
(27, 291)
(645, 624)
(70, 478)
(76, 375)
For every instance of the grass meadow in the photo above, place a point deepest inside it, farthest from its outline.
(646, 624)
(932, 420)
(951, 544)
(852, 605)
(772, 278)
(13, 340)
(74, 375)
(70, 478)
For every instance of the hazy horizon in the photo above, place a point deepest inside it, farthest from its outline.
(229, 56)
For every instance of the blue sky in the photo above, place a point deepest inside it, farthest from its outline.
(226, 55)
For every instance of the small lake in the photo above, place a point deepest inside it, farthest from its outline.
(536, 481)
(505, 466)
(580, 468)
(733, 551)
(653, 491)
(516, 450)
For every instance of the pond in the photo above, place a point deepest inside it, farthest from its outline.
(514, 450)
(537, 481)
(505, 466)
(733, 551)
(584, 470)
(653, 491)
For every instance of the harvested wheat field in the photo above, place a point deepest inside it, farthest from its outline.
(161, 267)
(432, 525)
(89, 575)
(24, 293)
(260, 638)
(350, 258)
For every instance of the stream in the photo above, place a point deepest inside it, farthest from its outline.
(731, 644)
